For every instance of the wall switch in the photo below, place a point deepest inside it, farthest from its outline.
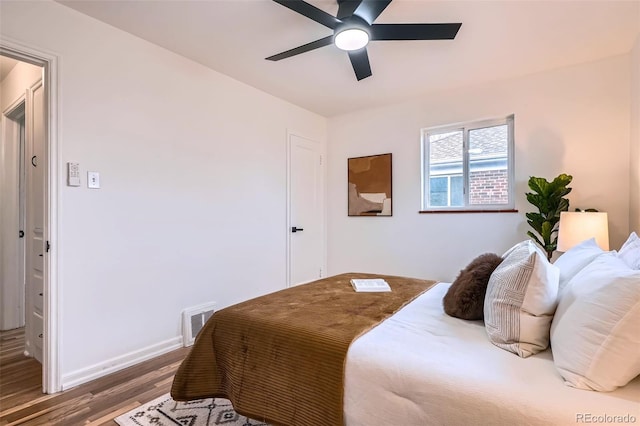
(93, 180)
(73, 174)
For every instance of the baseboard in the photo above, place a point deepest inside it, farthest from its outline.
(112, 365)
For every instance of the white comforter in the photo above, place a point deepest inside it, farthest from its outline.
(423, 367)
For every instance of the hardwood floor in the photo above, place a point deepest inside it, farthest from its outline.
(95, 403)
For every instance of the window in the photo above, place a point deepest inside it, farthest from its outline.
(468, 166)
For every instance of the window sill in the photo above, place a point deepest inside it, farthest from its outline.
(468, 211)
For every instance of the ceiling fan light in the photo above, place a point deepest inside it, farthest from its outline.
(351, 39)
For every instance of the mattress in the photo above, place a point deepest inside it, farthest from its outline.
(423, 367)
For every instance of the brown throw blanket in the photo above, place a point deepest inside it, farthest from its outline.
(280, 358)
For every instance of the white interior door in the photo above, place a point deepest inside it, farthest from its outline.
(12, 217)
(306, 210)
(35, 220)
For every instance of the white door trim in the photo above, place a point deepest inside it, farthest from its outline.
(52, 323)
(290, 134)
(288, 219)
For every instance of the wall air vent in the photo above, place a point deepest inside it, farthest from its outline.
(193, 319)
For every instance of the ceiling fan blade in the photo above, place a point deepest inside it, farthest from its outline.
(414, 31)
(347, 7)
(301, 49)
(369, 10)
(360, 62)
(311, 12)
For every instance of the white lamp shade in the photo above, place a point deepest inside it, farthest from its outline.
(576, 227)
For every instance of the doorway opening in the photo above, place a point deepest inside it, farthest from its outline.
(28, 294)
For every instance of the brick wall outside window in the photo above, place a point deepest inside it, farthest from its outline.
(489, 187)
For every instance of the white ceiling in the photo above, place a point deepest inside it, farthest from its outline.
(497, 40)
(6, 65)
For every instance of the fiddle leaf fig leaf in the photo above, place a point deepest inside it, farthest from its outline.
(537, 184)
(563, 206)
(535, 199)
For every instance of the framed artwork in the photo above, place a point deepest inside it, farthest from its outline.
(370, 185)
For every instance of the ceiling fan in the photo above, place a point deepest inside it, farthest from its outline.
(353, 28)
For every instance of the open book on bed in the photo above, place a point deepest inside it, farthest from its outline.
(370, 285)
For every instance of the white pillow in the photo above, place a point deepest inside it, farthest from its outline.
(630, 251)
(595, 335)
(576, 258)
(521, 299)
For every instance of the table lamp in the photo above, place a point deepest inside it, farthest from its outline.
(576, 227)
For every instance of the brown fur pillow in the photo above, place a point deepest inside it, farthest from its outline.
(465, 298)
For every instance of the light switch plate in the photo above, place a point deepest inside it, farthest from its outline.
(93, 180)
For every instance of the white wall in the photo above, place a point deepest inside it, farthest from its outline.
(12, 88)
(634, 190)
(192, 163)
(574, 120)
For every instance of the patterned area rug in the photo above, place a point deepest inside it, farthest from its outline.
(164, 411)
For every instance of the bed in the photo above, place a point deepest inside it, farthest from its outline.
(439, 370)
(409, 365)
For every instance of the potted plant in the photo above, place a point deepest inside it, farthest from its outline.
(548, 197)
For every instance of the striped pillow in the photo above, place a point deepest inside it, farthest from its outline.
(521, 300)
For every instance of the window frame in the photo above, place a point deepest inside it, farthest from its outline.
(465, 128)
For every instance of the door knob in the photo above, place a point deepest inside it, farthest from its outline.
(294, 229)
